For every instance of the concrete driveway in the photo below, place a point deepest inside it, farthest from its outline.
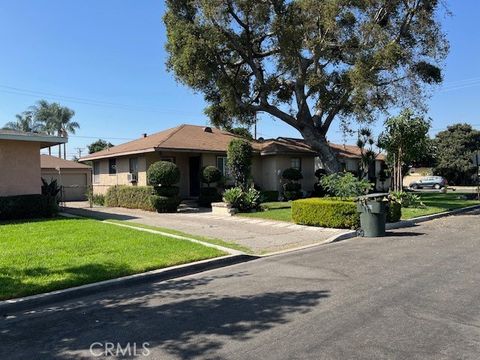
(260, 236)
(412, 295)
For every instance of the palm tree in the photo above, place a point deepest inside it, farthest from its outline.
(24, 122)
(56, 120)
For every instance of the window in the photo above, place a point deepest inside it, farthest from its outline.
(222, 165)
(96, 172)
(133, 165)
(296, 163)
(112, 166)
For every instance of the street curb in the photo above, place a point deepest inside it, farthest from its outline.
(50, 298)
(418, 220)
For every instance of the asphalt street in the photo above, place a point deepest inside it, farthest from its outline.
(412, 295)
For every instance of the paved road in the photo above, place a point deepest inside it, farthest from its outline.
(414, 295)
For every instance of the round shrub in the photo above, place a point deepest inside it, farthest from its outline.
(319, 173)
(168, 191)
(210, 174)
(164, 173)
(292, 187)
(292, 174)
(164, 204)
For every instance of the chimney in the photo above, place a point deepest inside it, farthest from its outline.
(207, 129)
(144, 135)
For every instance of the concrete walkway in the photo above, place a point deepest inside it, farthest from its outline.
(260, 236)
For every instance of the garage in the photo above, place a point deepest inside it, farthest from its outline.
(75, 178)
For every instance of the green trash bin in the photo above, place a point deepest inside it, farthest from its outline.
(373, 214)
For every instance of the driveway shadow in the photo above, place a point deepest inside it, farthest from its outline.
(403, 233)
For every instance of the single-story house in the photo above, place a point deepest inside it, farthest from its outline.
(20, 172)
(192, 147)
(75, 178)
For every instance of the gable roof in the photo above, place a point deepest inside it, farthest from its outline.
(43, 139)
(52, 162)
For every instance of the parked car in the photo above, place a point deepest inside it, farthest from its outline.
(432, 182)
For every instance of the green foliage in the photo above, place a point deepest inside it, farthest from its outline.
(207, 196)
(99, 145)
(164, 204)
(239, 160)
(305, 63)
(163, 173)
(24, 122)
(269, 196)
(168, 191)
(98, 199)
(455, 149)
(130, 197)
(210, 174)
(241, 131)
(406, 199)
(345, 185)
(27, 207)
(292, 174)
(243, 200)
(325, 212)
(50, 188)
(394, 211)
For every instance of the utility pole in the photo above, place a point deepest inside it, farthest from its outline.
(79, 152)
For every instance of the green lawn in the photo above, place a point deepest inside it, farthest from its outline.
(220, 242)
(45, 255)
(435, 203)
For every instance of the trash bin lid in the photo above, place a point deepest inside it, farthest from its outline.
(374, 196)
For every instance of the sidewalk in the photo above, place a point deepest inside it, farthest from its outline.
(260, 236)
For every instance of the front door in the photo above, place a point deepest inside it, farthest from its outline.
(194, 169)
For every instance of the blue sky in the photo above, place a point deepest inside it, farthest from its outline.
(106, 60)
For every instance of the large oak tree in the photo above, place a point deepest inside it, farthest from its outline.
(305, 62)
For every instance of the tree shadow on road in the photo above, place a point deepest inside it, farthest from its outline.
(180, 317)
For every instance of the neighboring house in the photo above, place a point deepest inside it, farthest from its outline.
(75, 178)
(20, 161)
(193, 147)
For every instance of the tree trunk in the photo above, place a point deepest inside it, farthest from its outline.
(50, 150)
(60, 151)
(65, 151)
(319, 143)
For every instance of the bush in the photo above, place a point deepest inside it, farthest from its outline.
(242, 200)
(130, 197)
(169, 191)
(239, 160)
(269, 196)
(406, 199)
(292, 174)
(163, 173)
(210, 174)
(207, 196)
(394, 211)
(50, 188)
(344, 185)
(27, 207)
(164, 204)
(318, 189)
(330, 213)
(97, 199)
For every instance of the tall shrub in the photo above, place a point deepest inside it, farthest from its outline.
(209, 175)
(163, 175)
(345, 185)
(292, 189)
(239, 161)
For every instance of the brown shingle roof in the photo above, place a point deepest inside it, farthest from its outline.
(195, 138)
(52, 162)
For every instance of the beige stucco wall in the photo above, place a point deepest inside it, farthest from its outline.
(266, 170)
(19, 168)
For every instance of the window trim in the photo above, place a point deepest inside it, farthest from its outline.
(299, 162)
(224, 168)
(130, 165)
(96, 175)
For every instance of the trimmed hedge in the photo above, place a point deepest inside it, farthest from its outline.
(27, 207)
(324, 212)
(394, 212)
(164, 204)
(130, 197)
(169, 191)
